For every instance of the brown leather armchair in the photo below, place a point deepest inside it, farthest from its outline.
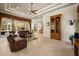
(16, 45)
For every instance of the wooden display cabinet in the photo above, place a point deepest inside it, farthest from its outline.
(55, 27)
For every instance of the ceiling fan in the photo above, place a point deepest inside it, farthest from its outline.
(31, 9)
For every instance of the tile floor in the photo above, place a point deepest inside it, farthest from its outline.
(39, 47)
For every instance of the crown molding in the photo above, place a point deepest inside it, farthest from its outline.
(43, 9)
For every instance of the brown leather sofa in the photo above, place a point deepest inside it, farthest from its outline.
(16, 45)
(23, 34)
(12, 32)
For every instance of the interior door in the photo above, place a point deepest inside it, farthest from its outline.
(55, 27)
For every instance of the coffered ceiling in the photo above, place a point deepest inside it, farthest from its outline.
(22, 9)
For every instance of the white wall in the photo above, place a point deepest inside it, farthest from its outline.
(68, 13)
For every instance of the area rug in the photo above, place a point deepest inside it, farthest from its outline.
(31, 39)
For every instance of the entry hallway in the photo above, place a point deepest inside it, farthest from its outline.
(39, 47)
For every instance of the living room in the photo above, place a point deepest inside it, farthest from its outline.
(38, 29)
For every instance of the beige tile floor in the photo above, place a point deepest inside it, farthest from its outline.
(39, 47)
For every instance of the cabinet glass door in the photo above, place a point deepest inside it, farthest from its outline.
(52, 25)
(57, 25)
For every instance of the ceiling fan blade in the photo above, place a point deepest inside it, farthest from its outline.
(34, 12)
(31, 9)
